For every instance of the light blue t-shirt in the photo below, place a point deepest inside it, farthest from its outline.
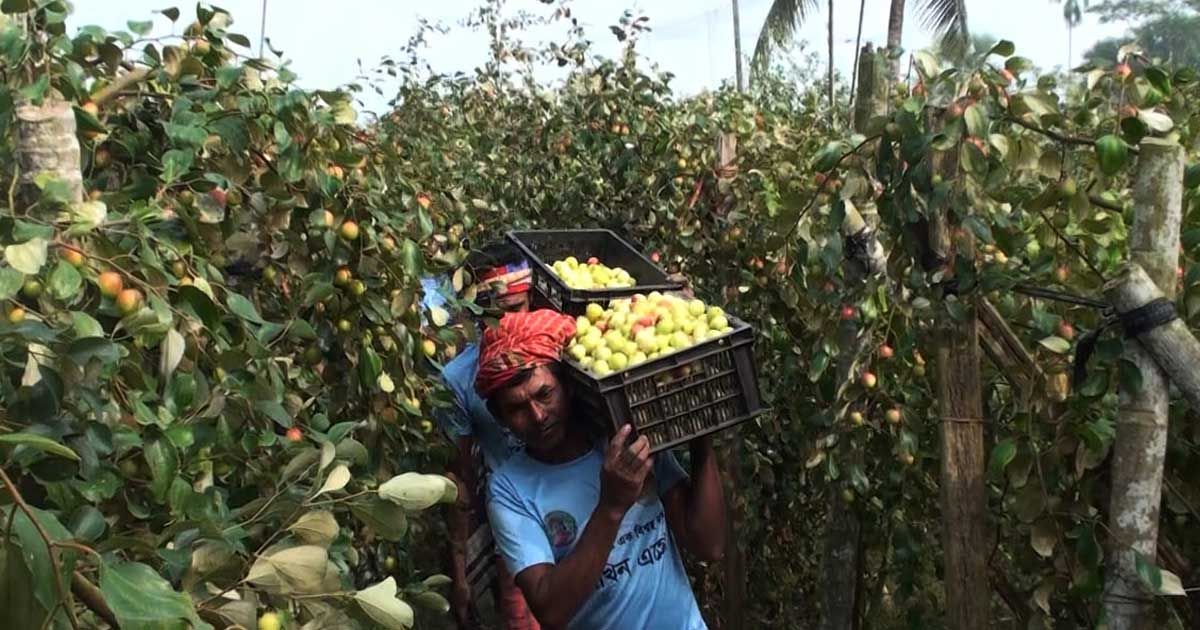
(538, 511)
(469, 416)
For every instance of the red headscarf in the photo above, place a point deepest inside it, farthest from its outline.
(521, 341)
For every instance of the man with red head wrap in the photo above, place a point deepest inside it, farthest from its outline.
(591, 535)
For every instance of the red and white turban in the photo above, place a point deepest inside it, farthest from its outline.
(521, 341)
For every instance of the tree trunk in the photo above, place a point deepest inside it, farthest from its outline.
(832, 110)
(46, 145)
(1141, 441)
(737, 45)
(894, 36)
(862, 14)
(841, 592)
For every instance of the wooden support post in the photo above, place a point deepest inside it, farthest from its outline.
(960, 405)
(734, 560)
(1172, 346)
(1140, 446)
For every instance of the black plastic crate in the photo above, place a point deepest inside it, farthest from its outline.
(543, 247)
(686, 394)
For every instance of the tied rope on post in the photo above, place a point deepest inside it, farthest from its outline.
(1141, 320)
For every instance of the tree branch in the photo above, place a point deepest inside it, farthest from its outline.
(120, 83)
(55, 565)
(93, 599)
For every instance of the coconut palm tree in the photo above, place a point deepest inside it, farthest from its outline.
(947, 18)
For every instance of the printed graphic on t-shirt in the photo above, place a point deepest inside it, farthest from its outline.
(560, 529)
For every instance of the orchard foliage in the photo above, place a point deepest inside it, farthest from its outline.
(243, 424)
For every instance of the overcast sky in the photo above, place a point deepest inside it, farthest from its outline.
(691, 38)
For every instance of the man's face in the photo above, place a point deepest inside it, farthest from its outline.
(535, 411)
(513, 302)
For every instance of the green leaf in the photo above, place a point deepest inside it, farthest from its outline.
(35, 554)
(979, 228)
(977, 122)
(10, 282)
(1004, 48)
(381, 604)
(85, 349)
(16, 6)
(164, 465)
(275, 412)
(28, 257)
(1150, 574)
(431, 600)
(1159, 79)
(1056, 344)
(65, 281)
(40, 443)
(142, 600)
(385, 518)
(175, 163)
(829, 156)
(1130, 376)
(85, 325)
(243, 308)
(1156, 121)
(202, 304)
(1111, 153)
(1002, 455)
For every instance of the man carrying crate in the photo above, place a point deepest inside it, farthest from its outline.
(502, 283)
(590, 528)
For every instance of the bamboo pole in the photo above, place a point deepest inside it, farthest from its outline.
(1140, 446)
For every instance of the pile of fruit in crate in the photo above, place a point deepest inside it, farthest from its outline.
(642, 328)
(591, 275)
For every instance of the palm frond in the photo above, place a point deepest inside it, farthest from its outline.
(947, 19)
(783, 18)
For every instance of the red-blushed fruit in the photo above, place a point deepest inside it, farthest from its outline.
(1128, 111)
(294, 434)
(73, 256)
(955, 110)
(907, 459)
(856, 418)
(342, 277)
(16, 315)
(1122, 70)
(655, 257)
(848, 312)
(1008, 76)
(219, 196)
(893, 415)
(387, 243)
(110, 283)
(868, 380)
(91, 108)
(1066, 331)
(424, 200)
(1179, 273)
(593, 261)
(1062, 273)
(129, 301)
(329, 219)
(886, 352)
(335, 171)
(349, 230)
